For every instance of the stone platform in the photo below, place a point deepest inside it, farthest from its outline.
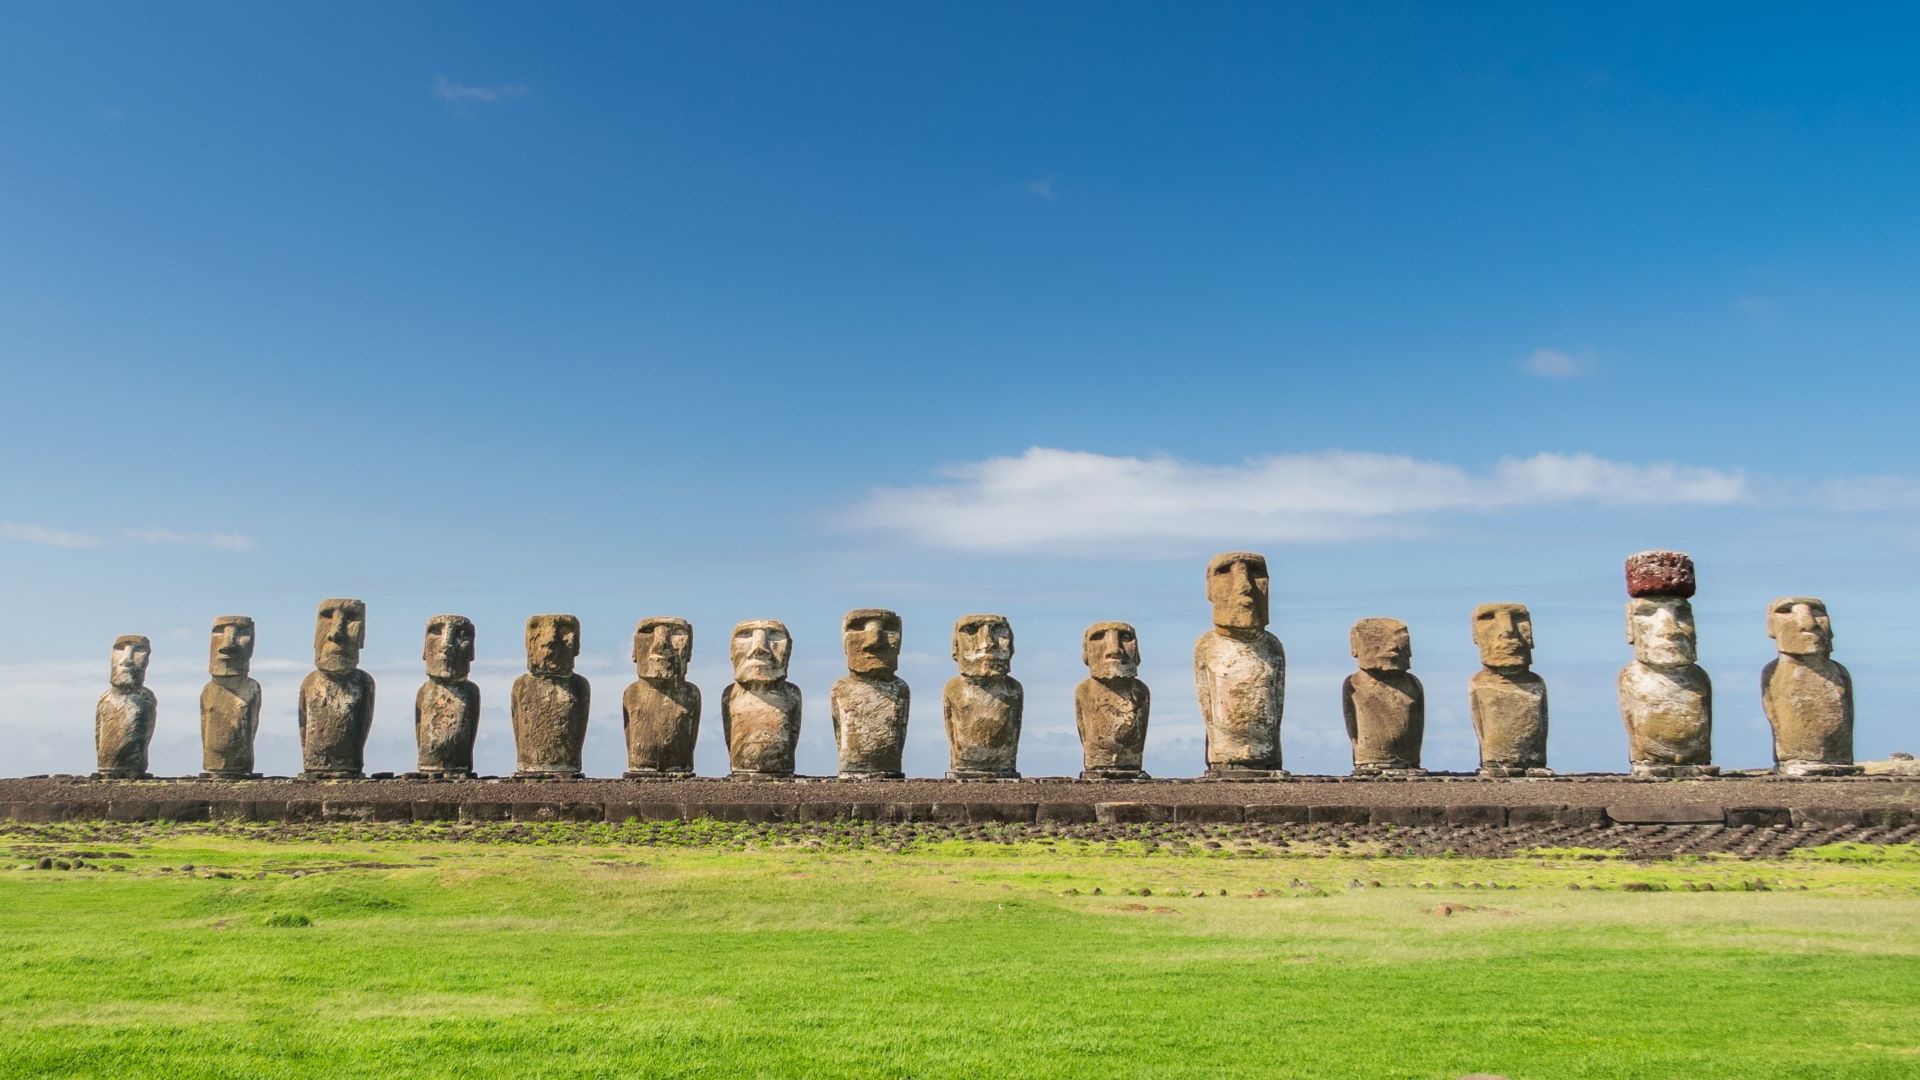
(1429, 801)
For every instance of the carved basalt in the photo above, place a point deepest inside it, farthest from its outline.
(1240, 671)
(982, 705)
(661, 709)
(123, 718)
(1666, 700)
(446, 711)
(1808, 696)
(336, 699)
(1110, 706)
(550, 702)
(1384, 704)
(760, 709)
(230, 702)
(870, 703)
(1508, 702)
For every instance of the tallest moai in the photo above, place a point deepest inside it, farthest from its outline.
(1240, 671)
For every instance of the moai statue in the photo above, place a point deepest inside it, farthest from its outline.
(123, 718)
(446, 711)
(982, 704)
(1384, 704)
(1665, 699)
(1241, 671)
(662, 709)
(230, 702)
(1110, 705)
(870, 702)
(550, 702)
(1508, 701)
(1807, 694)
(336, 699)
(760, 709)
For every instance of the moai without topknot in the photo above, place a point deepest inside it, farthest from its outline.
(1508, 701)
(336, 698)
(870, 702)
(661, 709)
(1240, 671)
(1384, 704)
(1808, 695)
(1666, 700)
(446, 711)
(1110, 705)
(550, 702)
(760, 709)
(123, 718)
(230, 702)
(982, 705)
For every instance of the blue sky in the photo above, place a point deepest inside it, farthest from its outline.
(740, 311)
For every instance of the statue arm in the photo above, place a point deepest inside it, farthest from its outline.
(1346, 709)
(1766, 684)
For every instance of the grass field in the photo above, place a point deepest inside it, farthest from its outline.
(707, 950)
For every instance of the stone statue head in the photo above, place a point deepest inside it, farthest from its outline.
(662, 647)
(1800, 626)
(1660, 629)
(130, 655)
(872, 640)
(553, 643)
(1238, 588)
(449, 647)
(983, 644)
(231, 652)
(1111, 650)
(1381, 645)
(1504, 633)
(339, 632)
(760, 651)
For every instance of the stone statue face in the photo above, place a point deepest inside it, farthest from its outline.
(130, 655)
(1660, 628)
(760, 650)
(1381, 645)
(231, 652)
(1800, 626)
(449, 648)
(871, 637)
(553, 643)
(662, 647)
(1238, 588)
(1504, 633)
(983, 644)
(339, 630)
(1111, 650)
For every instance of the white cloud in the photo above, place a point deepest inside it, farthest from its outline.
(220, 540)
(39, 534)
(1042, 187)
(465, 94)
(1558, 363)
(1054, 499)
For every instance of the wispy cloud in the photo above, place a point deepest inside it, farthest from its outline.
(1548, 363)
(455, 93)
(1050, 499)
(1042, 187)
(40, 534)
(220, 540)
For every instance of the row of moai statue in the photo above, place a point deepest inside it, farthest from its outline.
(1666, 700)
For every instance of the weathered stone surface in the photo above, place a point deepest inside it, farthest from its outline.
(661, 709)
(982, 705)
(1240, 670)
(1808, 696)
(124, 716)
(1666, 700)
(336, 699)
(551, 701)
(870, 703)
(446, 710)
(1383, 703)
(1110, 706)
(1508, 701)
(1660, 573)
(230, 702)
(760, 709)
(1662, 814)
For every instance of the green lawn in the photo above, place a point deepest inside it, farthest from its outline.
(713, 951)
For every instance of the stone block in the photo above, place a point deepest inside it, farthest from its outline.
(1407, 815)
(485, 811)
(1210, 814)
(949, 813)
(824, 811)
(1276, 815)
(1476, 814)
(1662, 814)
(1001, 813)
(1831, 817)
(133, 810)
(1064, 814)
(1335, 814)
(1759, 815)
(435, 810)
(618, 812)
(37, 812)
(906, 811)
(230, 810)
(1131, 813)
(755, 813)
